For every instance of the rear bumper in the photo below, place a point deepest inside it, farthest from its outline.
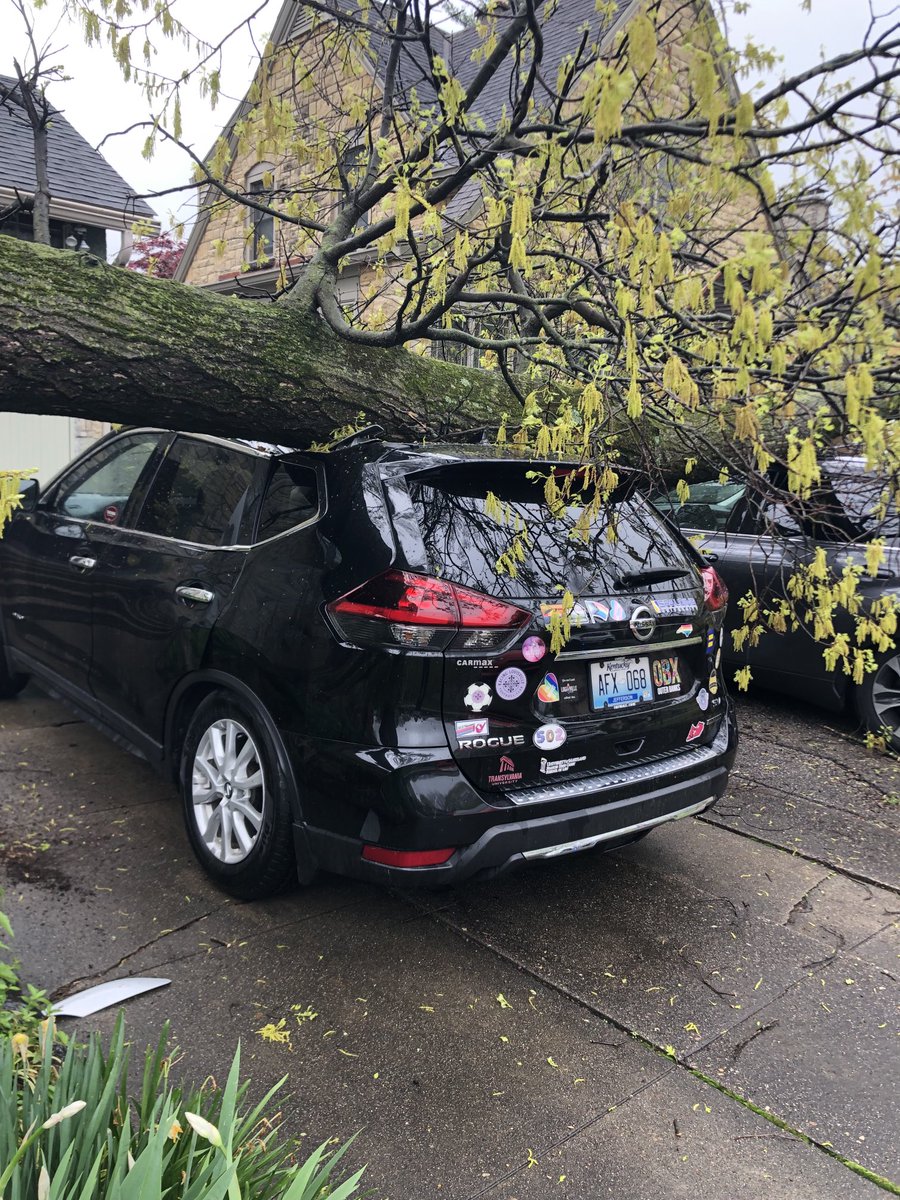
(621, 815)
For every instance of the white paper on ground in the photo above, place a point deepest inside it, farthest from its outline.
(104, 995)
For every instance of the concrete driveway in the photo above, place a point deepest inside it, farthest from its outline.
(710, 1013)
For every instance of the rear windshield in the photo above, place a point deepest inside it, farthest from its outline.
(464, 541)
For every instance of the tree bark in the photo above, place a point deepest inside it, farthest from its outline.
(41, 211)
(80, 338)
(37, 110)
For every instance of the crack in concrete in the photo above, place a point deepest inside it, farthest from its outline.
(816, 756)
(701, 978)
(804, 904)
(768, 785)
(802, 854)
(65, 989)
(222, 945)
(572, 1133)
(741, 1046)
(11, 729)
(681, 1062)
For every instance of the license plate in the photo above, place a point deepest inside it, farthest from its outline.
(621, 682)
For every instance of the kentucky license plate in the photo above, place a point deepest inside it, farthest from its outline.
(621, 682)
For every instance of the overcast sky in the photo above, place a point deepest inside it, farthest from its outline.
(99, 102)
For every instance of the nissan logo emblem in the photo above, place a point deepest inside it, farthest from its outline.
(643, 623)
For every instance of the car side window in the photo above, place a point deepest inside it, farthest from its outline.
(769, 517)
(291, 498)
(99, 488)
(201, 494)
(709, 506)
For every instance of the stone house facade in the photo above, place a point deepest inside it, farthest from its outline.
(233, 250)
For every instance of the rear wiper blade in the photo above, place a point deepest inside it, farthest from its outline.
(651, 575)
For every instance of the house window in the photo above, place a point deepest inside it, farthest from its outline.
(347, 292)
(260, 249)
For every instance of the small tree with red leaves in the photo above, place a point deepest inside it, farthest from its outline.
(157, 254)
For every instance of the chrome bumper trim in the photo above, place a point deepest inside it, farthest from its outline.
(589, 842)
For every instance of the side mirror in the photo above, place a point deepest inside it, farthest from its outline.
(29, 494)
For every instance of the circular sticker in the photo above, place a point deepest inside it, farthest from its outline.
(511, 683)
(534, 649)
(718, 658)
(703, 699)
(478, 697)
(549, 737)
(111, 514)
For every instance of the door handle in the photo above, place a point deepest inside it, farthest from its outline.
(83, 564)
(195, 595)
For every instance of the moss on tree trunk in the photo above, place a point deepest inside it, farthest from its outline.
(81, 338)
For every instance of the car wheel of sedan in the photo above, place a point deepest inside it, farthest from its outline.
(878, 700)
(236, 803)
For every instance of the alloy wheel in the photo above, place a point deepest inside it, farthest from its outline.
(228, 791)
(886, 694)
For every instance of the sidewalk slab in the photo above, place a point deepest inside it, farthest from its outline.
(637, 935)
(869, 848)
(680, 1140)
(411, 1043)
(823, 1057)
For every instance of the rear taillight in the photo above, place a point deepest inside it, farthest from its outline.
(407, 858)
(715, 593)
(403, 611)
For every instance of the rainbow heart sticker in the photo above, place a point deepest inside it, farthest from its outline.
(548, 690)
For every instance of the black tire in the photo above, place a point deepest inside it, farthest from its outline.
(215, 833)
(11, 682)
(873, 700)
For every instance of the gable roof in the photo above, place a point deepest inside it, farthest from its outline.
(79, 174)
(561, 31)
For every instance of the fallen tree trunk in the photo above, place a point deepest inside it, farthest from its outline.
(81, 338)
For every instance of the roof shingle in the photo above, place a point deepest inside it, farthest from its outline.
(77, 171)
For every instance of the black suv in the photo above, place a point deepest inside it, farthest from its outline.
(319, 649)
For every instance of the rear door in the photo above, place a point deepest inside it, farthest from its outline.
(161, 585)
(757, 548)
(633, 678)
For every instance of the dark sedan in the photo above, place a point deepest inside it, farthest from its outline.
(758, 539)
